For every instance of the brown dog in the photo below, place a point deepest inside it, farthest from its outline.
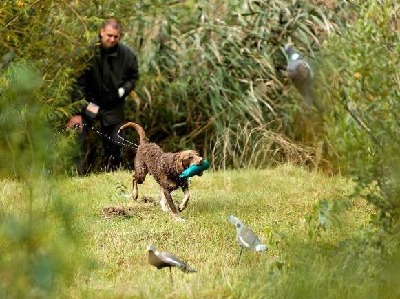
(164, 167)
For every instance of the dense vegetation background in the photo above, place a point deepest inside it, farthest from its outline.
(212, 73)
(212, 77)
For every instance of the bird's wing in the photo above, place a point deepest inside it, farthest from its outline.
(156, 261)
(171, 259)
(301, 75)
(299, 70)
(247, 238)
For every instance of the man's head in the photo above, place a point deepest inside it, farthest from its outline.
(110, 33)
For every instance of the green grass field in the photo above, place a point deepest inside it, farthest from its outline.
(278, 204)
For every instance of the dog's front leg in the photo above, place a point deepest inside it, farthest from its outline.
(185, 200)
(172, 206)
(163, 201)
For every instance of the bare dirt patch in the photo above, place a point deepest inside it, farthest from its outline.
(145, 204)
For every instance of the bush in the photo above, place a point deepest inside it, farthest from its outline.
(37, 240)
(362, 89)
(207, 68)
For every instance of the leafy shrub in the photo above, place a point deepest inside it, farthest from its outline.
(38, 239)
(207, 68)
(222, 71)
(362, 87)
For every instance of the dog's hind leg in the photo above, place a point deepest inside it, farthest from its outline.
(135, 192)
(185, 200)
(138, 178)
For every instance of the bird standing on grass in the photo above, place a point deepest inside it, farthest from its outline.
(300, 73)
(165, 259)
(245, 237)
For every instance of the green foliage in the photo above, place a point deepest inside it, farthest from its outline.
(213, 77)
(362, 89)
(341, 261)
(326, 214)
(206, 67)
(28, 147)
(38, 237)
(222, 70)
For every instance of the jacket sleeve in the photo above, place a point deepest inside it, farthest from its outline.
(80, 93)
(132, 74)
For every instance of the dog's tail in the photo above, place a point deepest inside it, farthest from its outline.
(138, 128)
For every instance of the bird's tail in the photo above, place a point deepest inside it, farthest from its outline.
(308, 96)
(261, 247)
(187, 269)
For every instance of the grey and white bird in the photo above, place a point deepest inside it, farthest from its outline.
(301, 74)
(246, 237)
(165, 259)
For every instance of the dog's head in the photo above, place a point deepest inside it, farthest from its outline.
(187, 158)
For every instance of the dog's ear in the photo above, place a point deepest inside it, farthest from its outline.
(184, 160)
(180, 162)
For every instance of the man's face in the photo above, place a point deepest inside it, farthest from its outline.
(109, 36)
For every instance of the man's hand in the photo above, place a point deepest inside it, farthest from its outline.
(121, 92)
(75, 122)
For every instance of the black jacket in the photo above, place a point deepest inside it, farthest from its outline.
(108, 70)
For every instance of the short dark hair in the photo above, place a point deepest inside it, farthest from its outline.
(113, 23)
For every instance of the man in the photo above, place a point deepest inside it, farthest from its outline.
(110, 76)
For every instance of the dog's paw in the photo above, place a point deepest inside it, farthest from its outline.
(178, 219)
(181, 208)
(164, 205)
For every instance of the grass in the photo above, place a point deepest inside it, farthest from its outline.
(276, 203)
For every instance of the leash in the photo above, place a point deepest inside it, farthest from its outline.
(122, 141)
